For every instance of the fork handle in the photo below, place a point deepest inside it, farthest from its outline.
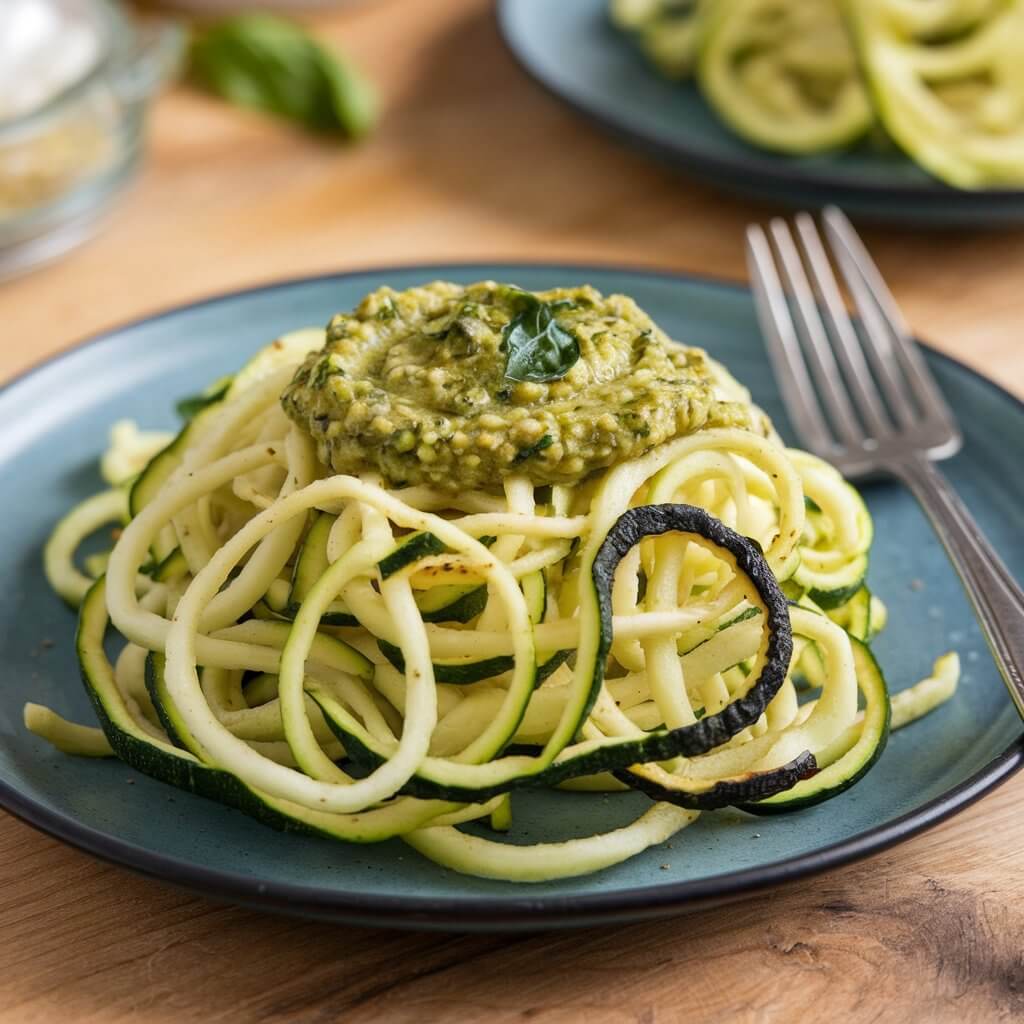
(996, 597)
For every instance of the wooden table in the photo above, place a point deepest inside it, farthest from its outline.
(473, 161)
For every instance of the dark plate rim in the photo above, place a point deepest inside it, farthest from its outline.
(776, 173)
(522, 912)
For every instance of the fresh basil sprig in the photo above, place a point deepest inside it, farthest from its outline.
(271, 64)
(537, 348)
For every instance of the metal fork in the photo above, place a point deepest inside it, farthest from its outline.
(827, 370)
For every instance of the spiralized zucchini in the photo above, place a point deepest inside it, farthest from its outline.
(666, 31)
(949, 90)
(783, 74)
(938, 20)
(940, 77)
(343, 659)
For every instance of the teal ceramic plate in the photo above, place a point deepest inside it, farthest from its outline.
(54, 422)
(571, 49)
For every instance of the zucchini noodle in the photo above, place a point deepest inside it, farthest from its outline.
(783, 73)
(346, 658)
(937, 78)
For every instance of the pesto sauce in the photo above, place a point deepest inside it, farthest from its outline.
(414, 384)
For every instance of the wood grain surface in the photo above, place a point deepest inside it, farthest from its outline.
(474, 161)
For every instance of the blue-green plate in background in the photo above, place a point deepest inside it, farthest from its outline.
(571, 48)
(54, 422)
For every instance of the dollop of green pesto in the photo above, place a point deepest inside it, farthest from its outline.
(426, 386)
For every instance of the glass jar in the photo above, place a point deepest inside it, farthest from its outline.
(65, 157)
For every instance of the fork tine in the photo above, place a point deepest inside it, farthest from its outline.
(931, 399)
(816, 344)
(877, 341)
(781, 342)
(848, 346)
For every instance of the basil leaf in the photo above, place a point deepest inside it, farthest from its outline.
(271, 64)
(353, 99)
(538, 349)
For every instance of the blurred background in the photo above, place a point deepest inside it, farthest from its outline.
(153, 153)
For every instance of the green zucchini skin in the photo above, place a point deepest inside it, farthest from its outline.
(464, 673)
(414, 547)
(455, 602)
(830, 599)
(842, 587)
(872, 684)
(755, 786)
(189, 408)
(710, 632)
(185, 769)
(444, 604)
(689, 740)
(854, 615)
(159, 469)
(161, 702)
(172, 567)
(309, 567)
(410, 549)
(182, 770)
(830, 590)
(462, 604)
